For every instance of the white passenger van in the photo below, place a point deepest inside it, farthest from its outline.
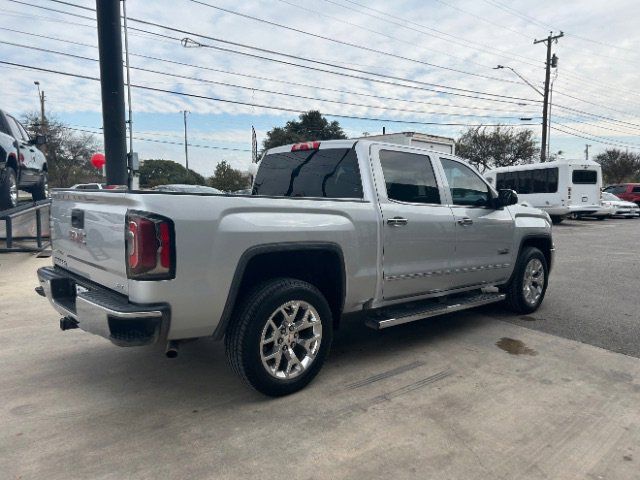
(561, 188)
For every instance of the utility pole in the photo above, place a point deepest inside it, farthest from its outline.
(42, 117)
(186, 146)
(545, 109)
(112, 89)
(586, 151)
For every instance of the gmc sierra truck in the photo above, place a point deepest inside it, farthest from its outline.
(22, 165)
(382, 233)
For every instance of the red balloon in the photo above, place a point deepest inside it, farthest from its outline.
(98, 160)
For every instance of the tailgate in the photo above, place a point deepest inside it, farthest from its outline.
(88, 236)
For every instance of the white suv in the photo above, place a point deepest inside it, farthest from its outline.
(22, 165)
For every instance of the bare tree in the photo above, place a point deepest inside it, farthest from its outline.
(501, 146)
(68, 151)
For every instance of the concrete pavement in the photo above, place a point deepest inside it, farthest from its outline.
(433, 399)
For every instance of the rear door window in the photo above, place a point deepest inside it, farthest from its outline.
(584, 177)
(409, 177)
(328, 173)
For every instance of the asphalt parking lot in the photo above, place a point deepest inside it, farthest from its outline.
(479, 394)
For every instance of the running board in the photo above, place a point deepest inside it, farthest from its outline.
(404, 314)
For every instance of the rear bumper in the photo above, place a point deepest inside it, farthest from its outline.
(100, 311)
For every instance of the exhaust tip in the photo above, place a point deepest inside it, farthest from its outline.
(172, 349)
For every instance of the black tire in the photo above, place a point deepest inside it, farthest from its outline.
(7, 184)
(601, 218)
(555, 219)
(41, 190)
(516, 300)
(245, 333)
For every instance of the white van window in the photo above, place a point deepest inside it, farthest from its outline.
(539, 180)
(588, 177)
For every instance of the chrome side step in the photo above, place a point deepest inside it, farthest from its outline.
(404, 314)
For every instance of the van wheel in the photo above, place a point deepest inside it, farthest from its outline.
(41, 190)
(280, 336)
(555, 219)
(528, 284)
(8, 189)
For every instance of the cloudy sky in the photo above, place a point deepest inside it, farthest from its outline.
(406, 65)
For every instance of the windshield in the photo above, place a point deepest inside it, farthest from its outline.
(610, 197)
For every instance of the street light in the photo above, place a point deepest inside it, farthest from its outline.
(499, 67)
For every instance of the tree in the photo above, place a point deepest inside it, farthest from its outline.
(162, 172)
(68, 152)
(498, 147)
(618, 166)
(228, 179)
(311, 126)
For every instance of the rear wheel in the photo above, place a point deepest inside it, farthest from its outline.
(8, 189)
(280, 336)
(528, 284)
(41, 190)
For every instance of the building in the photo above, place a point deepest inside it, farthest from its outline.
(422, 140)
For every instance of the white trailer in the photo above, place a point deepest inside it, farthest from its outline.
(561, 188)
(416, 139)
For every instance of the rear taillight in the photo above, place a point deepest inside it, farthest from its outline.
(569, 193)
(150, 247)
(305, 146)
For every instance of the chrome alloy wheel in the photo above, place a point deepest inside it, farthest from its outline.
(290, 339)
(533, 282)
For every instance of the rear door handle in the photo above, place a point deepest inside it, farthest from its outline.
(397, 221)
(465, 221)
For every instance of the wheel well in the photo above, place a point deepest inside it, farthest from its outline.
(323, 268)
(544, 244)
(12, 162)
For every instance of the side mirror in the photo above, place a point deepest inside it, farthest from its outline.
(507, 197)
(39, 140)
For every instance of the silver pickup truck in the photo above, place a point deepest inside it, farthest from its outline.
(384, 233)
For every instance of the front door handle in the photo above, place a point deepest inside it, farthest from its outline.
(397, 221)
(465, 221)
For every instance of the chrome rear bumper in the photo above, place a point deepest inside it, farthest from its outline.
(100, 311)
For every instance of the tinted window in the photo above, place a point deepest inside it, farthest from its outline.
(331, 173)
(15, 129)
(409, 177)
(539, 180)
(584, 176)
(467, 188)
(636, 190)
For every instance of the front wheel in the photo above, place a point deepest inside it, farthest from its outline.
(528, 285)
(8, 189)
(280, 336)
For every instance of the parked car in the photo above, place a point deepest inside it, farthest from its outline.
(629, 192)
(620, 207)
(384, 233)
(184, 188)
(88, 186)
(22, 165)
(562, 188)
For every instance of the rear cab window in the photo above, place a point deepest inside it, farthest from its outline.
(584, 177)
(323, 173)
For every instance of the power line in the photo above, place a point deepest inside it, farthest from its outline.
(270, 79)
(255, 89)
(268, 107)
(341, 42)
(595, 139)
(498, 97)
